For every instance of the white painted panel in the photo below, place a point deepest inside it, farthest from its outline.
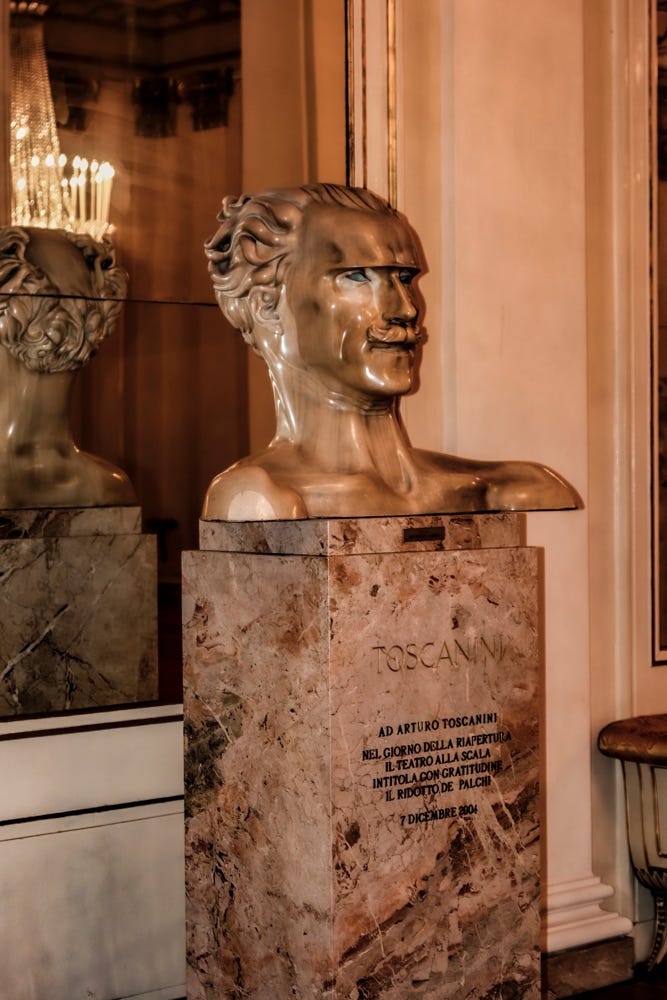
(94, 912)
(79, 767)
(100, 717)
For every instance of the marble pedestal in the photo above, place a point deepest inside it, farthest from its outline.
(78, 606)
(362, 759)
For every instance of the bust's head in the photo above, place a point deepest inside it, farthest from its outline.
(320, 278)
(60, 295)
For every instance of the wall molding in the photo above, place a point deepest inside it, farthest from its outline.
(574, 916)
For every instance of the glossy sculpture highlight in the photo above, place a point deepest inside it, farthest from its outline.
(60, 295)
(321, 282)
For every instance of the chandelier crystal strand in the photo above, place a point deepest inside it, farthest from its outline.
(47, 191)
(35, 149)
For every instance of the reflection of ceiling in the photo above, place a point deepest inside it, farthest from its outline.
(149, 15)
(142, 36)
(166, 51)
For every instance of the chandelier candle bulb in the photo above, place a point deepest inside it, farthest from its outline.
(93, 190)
(84, 169)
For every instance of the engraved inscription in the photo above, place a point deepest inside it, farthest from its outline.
(445, 652)
(464, 755)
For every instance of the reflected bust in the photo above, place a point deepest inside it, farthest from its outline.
(321, 282)
(60, 295)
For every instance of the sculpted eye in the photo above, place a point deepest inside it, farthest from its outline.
(405, 277)
(359, 274)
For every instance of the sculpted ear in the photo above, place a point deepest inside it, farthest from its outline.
(263, 306)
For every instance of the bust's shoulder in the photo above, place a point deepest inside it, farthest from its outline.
(511, 485)
(248, 492)
(103, 482)
(529, 486)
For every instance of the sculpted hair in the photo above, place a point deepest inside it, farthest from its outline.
(43, 329)
(255, 244)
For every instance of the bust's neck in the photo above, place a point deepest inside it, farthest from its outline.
(342, 434)
(34, 409)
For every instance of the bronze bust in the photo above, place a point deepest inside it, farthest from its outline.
(321, 281)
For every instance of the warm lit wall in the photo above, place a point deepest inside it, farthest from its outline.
(520, 336)
(619, 165)
(511, 333)
(522, 161)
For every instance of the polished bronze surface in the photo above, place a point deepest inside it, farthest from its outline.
(642, 739)
(322, 283)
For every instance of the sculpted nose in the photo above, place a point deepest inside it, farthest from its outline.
(400, 303)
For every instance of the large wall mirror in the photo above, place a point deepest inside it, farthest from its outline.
(159, 109)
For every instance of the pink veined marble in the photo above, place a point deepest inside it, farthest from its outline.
(362, 768)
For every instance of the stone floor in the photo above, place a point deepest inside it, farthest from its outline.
(652, 988)
(642, 987)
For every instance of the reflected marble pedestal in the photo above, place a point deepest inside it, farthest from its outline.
(362, 759)
(78, 606)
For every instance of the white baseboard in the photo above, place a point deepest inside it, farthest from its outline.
(574, 916)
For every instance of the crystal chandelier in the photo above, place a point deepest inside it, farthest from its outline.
(47, 190)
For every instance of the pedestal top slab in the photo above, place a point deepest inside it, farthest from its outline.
(69, 522)
(364, 535)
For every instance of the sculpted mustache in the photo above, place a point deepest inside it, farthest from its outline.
(394, 334)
